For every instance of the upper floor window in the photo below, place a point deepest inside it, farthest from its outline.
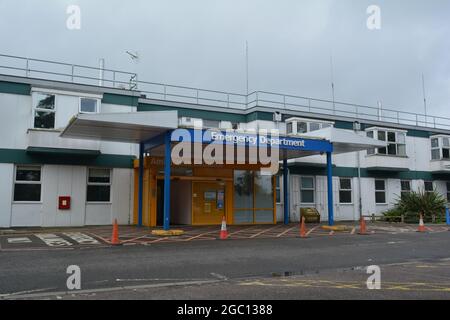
(44, 110)
(299, 126)
(396, 143)
(440, 148)
(89, 105)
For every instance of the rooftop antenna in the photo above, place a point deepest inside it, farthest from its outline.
(332, 83)
(134, 55)
(424, 99)
(246, 64)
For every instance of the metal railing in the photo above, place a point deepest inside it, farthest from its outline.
(80, 74)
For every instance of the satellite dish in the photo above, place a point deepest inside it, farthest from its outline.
(134, 55)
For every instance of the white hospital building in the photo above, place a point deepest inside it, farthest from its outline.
(83, 146)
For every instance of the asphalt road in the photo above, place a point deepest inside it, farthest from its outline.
(413, 265)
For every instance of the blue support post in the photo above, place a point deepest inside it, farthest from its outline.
(167, 163)
(330, 189)
(285, 192)
(141, 182)
(447, 216)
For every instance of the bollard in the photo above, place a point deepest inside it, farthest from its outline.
(403, 218)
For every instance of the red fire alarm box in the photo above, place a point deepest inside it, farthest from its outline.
(64, 203)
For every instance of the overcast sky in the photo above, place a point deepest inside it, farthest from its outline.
(201, 43)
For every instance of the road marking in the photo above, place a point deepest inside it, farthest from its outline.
(219, 276)
(81, 238)
(353, 230)
(52, 240)
(312, 229)
(19, 240)
(285, 231)
(263, 231)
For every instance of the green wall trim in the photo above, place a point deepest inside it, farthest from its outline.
(15, 88)
(194, 113)
(19, 156)
(309, 169)
(124, 100)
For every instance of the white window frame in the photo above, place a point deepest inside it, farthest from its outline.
(296, 121)
(313, 189)
(440, 147)
(100, 184)
(347, 190)
(384, 190)
(15, 181)
(405, 191)
(432, 186)
(33, 101)
(91, 98)
(375, 151)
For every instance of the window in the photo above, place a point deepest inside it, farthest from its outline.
(211, 123)
(44, 110)
(380, 191)
(395, 140)
(448, 191)
(289, 128)
(89, 105)
(345, 190)
(307, 189)
(253, 197)
(405, 187)
(299, 126)
(428, 185)
(440, 148)
(27, 184)
(99, 185)
(302, 127)
(313, 126)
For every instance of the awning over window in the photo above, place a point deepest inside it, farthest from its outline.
(131, 127)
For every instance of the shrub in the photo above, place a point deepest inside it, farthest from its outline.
(412, 204)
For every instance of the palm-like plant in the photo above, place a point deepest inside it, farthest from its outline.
(421, 202)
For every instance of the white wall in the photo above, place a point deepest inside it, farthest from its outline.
(6, 189)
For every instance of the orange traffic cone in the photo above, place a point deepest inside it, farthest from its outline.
(303, 228)
(362, 227)
(115, 234)
(223, 229)
(421, 225)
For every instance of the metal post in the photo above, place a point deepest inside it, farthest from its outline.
(447, 216)
(285, 191)
(330, 189)
(27, 71)
(167, 163)
(141, 182)
(73, 67)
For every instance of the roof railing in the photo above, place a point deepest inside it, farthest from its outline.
(81, 74)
